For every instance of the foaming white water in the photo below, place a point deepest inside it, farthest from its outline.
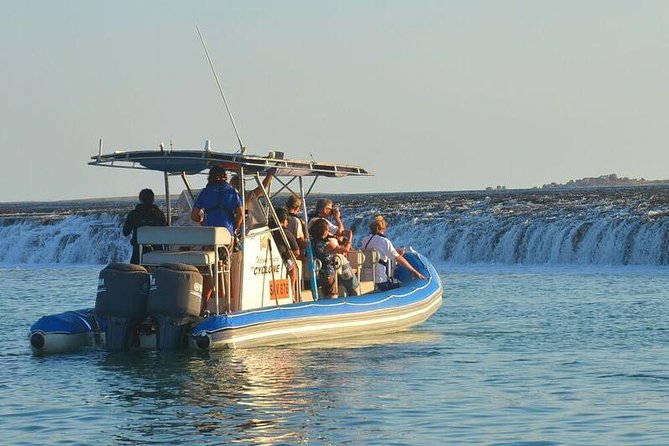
(606, 240)
(602, 227)
(448, 268)
(82, 239)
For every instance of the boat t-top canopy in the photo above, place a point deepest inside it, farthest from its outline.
(192, 162)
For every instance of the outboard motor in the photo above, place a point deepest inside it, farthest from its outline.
(174, 301)
(123, 290)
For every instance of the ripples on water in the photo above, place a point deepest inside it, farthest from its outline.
(514, 356)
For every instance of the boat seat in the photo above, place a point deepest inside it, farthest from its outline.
(356, 259)
(176, 238)
(369, 265)
(368, 270)
(196, 258)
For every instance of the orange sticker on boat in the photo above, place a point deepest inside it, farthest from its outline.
(278, 289)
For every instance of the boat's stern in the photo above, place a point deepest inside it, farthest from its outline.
(64, 332)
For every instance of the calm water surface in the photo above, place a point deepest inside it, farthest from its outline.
(515, 355)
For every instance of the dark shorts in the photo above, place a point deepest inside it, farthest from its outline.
(326, 282)
(389, 285)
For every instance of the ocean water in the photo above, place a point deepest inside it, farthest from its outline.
(569, 345)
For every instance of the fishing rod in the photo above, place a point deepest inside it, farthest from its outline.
(242, 149)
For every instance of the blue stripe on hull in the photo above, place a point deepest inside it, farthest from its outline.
(71, 329)
(64, 332)
(414, 292)
(319, 328)
(69, 322)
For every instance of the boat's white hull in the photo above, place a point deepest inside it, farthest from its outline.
(315, 328)
(60, 342)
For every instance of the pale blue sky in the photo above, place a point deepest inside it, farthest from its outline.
(429, 95)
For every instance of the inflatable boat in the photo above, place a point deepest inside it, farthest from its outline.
(158, 304)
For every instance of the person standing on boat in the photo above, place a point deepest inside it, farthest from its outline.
(218, 204)
(254, 211)
(325, 248)
(145, 214)
(377, 240)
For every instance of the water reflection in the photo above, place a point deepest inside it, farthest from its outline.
(236, 396)
(403, 337)
(257, 396)
(272, 395)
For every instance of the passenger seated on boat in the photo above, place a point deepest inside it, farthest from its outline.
(284, 249)
(325, 248)
(218, 204)
(255, 215)
(326, 210)
(377, 240)
(295, 222)
(145, 214)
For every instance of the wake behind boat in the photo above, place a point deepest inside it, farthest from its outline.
(156, 304)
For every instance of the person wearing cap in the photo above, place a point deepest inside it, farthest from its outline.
(145, 214)
(218, 204)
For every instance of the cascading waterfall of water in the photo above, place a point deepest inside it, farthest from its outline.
(571, 241)
(86, 239)
(574, 228)
(628, 227)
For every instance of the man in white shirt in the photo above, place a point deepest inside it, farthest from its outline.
(378, 241)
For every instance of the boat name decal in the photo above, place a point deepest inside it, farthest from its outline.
(266, 269)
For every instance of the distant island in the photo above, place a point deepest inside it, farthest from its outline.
(610, 180)
(497, 188)
(604, 181)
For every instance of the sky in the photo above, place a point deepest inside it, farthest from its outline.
(428, 95)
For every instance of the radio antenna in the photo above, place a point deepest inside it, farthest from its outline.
(242, 149)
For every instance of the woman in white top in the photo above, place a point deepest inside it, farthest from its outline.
(378, 241)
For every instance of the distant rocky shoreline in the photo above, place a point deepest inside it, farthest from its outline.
(610, 180)
(603, 181)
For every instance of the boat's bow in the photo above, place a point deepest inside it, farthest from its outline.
(373, 313)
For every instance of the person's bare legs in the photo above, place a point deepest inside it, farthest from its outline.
(208, 291)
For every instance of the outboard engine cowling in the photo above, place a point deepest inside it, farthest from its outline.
(174, 301)
(123, 290)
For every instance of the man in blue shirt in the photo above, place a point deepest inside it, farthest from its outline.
(218, 204)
